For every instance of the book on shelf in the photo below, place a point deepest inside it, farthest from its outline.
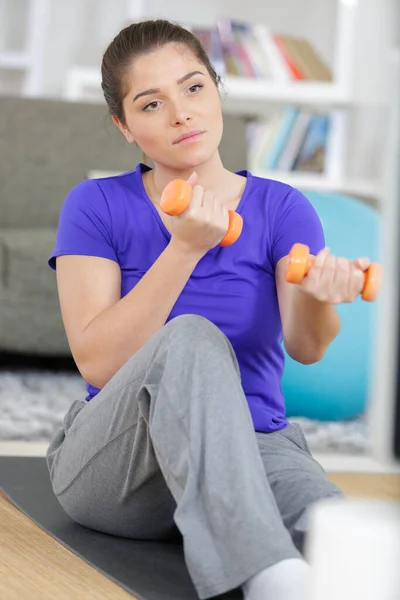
(241, 49)
(297, 139)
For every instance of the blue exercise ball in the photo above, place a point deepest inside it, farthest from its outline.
(337, 387)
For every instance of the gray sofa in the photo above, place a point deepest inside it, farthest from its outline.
(46, 148)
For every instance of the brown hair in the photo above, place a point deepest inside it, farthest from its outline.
(136, 40)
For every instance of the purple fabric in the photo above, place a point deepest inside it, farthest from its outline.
(234, 287)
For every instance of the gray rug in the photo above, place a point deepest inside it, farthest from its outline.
(33, 405)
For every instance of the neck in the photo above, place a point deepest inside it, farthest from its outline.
(211, 175)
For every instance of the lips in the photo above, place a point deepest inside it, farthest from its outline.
(188, 135)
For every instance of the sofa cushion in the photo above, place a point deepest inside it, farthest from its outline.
(31, 325)
(23, 263)
(47, 146)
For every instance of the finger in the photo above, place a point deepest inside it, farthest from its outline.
(218, 212)
(193, 179)
(326, 287)
(362, 263)
(342, 281)
(222, 214)
(197, 199)
(208, 206)
(313, 277)
(356, 282)
(208, 199)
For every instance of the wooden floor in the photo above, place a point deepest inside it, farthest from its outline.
(33, 566)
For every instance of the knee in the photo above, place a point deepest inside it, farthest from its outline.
(193, 333)
(194, 329)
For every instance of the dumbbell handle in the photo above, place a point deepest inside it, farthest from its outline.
(176, 198)
(300, 262)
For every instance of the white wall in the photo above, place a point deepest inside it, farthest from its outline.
(80, 31)
(12, 25)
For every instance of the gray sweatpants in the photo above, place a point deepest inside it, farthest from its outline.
(168, 448)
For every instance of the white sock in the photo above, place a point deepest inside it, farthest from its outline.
(286, 580)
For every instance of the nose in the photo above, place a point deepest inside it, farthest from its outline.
(179, 114)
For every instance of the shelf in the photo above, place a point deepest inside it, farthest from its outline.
(83, 84)
(14, 61)
(251, 94)
(315, 182)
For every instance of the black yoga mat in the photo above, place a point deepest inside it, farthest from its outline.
(148, 570)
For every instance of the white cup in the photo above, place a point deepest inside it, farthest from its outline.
(353, 548)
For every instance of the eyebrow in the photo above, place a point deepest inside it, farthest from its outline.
(156, 90)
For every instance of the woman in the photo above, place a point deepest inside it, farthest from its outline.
(179, 339)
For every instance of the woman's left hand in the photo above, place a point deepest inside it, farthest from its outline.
(335, 280)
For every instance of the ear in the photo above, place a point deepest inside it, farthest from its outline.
(124, 130)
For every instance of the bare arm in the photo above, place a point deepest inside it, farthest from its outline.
(310, 321)
(104, 330)
(309, 325)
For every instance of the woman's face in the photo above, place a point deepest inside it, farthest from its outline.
(171, 93)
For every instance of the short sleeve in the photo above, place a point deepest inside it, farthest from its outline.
(296, 221)
(84, 225)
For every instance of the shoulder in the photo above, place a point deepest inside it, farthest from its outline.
(286, 214)
(276, 191)
(275, 197)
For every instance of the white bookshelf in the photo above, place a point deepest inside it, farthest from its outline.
(250, 95)
(255, 97)
(18, 61)
(26, 63)
(302, 92)
(356, 30)
(314, 182)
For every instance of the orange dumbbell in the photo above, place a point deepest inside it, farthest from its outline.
(300, 262)
(176, 198)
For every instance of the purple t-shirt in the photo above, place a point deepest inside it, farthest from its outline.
(234, 287)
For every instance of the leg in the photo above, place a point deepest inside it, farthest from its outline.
(296, 478)
(171, 435)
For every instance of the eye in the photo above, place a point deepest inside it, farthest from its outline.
(196, 88)
(151, 106)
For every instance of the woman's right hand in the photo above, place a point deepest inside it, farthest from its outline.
(202, 225)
